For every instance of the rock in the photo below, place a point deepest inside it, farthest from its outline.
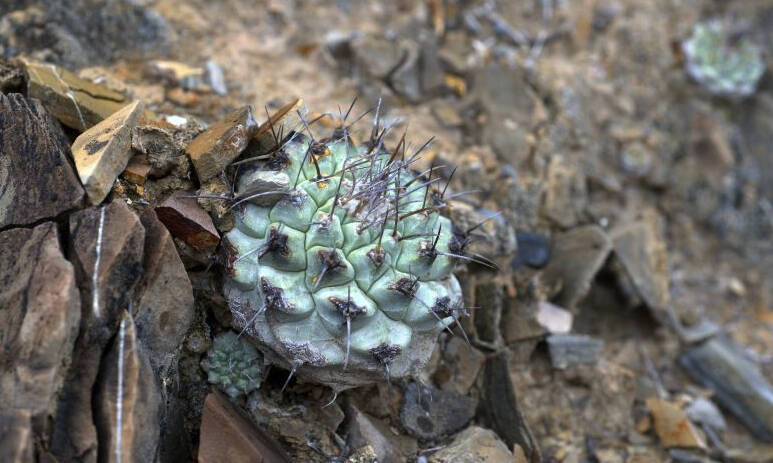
(226, 435)
(565, 193)
(263, 187)
(737, 383)
(165, 310)
(11, 77)
(161, 144)
(186, 220)
(212, 150)
(428, 413)
(459, 366)
(490, 294)
(499, 408)
(280, 123)
(702, 410)
(519, 322)
(39, 315)
(533, 250)
(641, 248)
(127, 400)
(363, 455)
(106, 250)
(365, 430)
(77, 103)
(213, 75)
(475, 445)
(137, 170)
(567, 350)
(672, 426)
(405, 80)
(36, 177)
(554, 319)
(179, 74)
(102, 152)
(577, 255)
(16, 440)
(377, 57)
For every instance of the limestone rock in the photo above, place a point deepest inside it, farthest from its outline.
(102, 152)
(127, 400)
(76, 102)
(226, 435)
(475, 445)
(39, 314)
(187, 221)
(428, 413)
(212, 150)
(672, 426)
(37, 180)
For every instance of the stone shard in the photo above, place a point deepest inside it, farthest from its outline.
(186, 220)
(475, 445)
(375, 56)
(127, 400)
(641, 248)
(577, 255)
(77, 103)
(107, 250)
(533, 250)
(165, 308)
(280, 123)
(366, 430)
(429, 413)
(212, 150)
(162, 144)
(137, 170)
(263, 187)
(36, 180)
(226, 435)
(39, 314)
(567, 350)
(459, 366)
(672, 426)
(102, 152)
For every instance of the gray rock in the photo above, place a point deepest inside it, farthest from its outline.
(406, 79)
(459, 366)
(263, 187)
(429, 413)
(533, 250)
(215, 78)
(36, 177)
(568, 350)
(16, 437)
(702, 410)
(377, 57)
(366, 430)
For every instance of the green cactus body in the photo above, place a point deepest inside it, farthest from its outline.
(233, 365)
(323, 279)
(724, 65)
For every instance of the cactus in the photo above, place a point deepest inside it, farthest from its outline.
(348, 274)
(233, 364)
(724, 64)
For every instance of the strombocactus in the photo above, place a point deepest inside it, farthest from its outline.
(725, 63)
(233, 365)
(344, 274)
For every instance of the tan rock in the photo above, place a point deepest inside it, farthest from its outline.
(475, 445)
(226, 435)
(212, 150)
(187, 221)
(102, 152)
(672, 426)
(76, 102)
(137, 170)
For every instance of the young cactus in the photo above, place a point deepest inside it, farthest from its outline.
(233, 365)
(724, 64)
(347, 276)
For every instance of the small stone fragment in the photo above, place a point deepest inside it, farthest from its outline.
(554, 319)
(376, 57)
(428, 413)
(533, 250)
(364, 454)
(102, 152)
(37, 180)
(577, 255)
(475, 445)
(565, 192)
(226, 435)
(212, 150)
(177, 73)
(406, 79)
(672, 426)
(263, 187)
(366, 430)
(702, 410)
(567, 350)
(214, 77)
(187, 221)
(77, 103)
(162, 144)
(737, 383)
(459, 366)
(137, 170)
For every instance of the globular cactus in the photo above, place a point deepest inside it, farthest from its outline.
(347, 274)
(725, 63)
(233, 365)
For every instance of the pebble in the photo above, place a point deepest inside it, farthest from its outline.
(37, 190)
(533, 250)
(102, 152)
(256, 183)
(215, 148)
(187, 221)
(475, 445)
(429, 413)
(377, 57)
(214, 77)
(568, 350)
(137, 170)
(554, 319)
(702, 410)
(672, 426)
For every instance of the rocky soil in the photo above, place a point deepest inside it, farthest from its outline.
(630, 317)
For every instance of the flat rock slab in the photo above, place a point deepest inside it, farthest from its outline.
(187, 221)
(76, 102)
(102, 152)
(212, 150)
(226, 435)
(39, 316)
(429, 413)
(36, 180)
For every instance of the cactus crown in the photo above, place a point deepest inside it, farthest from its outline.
(233, 364)
(350, 264)
(725, 64)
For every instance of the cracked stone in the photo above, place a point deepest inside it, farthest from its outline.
(212, 150)
(186, 220)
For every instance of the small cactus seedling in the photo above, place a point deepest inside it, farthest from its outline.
(725, 63)
(233, 365)
(348, 275)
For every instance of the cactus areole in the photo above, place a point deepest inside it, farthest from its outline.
(346, 278)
